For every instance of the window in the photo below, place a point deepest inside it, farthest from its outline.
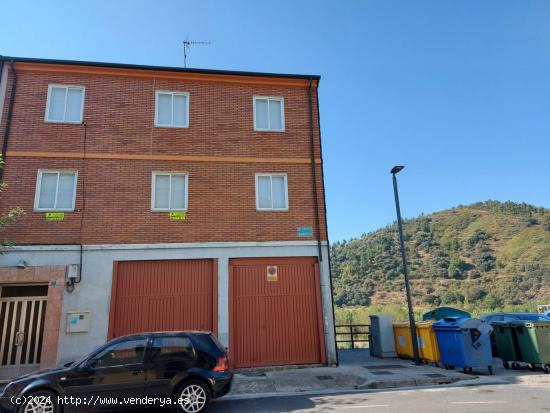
(169, 192)
(269, 113)
(65, 104)
(271, 192)
(55, 191)
(119, 354)
(169, 348)
(172, 109)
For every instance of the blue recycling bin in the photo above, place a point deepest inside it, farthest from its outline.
(464, 342)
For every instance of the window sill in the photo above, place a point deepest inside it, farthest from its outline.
(272, 210)
(79, 122)
(270, 130)
(171, 126)
(40, 211)
(168, 210)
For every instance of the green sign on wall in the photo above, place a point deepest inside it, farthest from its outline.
(55, 216)
(178, 215)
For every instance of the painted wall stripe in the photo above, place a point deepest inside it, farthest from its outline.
(150, 157)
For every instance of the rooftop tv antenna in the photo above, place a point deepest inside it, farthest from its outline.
(187, 45)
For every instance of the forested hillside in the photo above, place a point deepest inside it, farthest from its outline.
(489, 254)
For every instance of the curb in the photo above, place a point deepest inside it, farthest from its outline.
(371, 386)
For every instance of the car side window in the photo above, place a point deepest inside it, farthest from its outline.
(170, 348)
(125, 352)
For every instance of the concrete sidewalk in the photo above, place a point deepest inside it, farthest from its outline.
(357, 371)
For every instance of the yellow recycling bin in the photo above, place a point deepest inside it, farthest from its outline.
(427, 341)
(403, 340)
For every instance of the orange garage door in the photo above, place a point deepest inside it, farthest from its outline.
(163, 295)
(275, 312)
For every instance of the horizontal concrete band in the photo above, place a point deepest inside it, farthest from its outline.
(162, 246)
(151, 157)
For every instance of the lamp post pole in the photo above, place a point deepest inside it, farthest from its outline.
(395, 170)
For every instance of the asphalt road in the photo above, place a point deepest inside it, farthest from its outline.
(514, 398)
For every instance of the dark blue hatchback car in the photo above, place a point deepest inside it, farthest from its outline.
(180, 369)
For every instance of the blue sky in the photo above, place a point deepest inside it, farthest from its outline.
(458, 91)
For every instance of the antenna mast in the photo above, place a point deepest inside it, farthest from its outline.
(187, 45)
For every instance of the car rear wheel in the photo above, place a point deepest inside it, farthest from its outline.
(194, 397)
(41, 401)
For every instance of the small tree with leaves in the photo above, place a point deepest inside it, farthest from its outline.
(7, 217)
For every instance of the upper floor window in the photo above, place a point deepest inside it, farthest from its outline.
(172, 109)
(65, 104)
(271, 192)
(269, 113)
(169, 192)
(55, 191)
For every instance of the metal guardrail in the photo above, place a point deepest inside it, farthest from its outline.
(353, 334)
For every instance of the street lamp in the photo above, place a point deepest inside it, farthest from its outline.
(395, 170)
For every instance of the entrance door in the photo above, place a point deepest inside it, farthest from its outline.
(22, 312)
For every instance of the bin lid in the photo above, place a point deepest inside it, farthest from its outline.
(448, 323)
(530, 324)
(443, 312)
(385, 317)
(459, 323)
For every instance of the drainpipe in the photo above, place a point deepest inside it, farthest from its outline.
(325, 216)
(313, 170)
(8, 117)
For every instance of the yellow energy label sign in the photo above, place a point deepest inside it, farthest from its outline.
(178, 216)
(55, 216)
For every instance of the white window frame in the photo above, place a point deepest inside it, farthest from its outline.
(66, 87)
(269, 98)
(169, 92)
(271, 175)
(39, 185)
(153, 184)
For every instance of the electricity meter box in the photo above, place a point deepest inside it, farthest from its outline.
(78, 321)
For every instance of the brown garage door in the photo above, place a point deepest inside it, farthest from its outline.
(163, 295)
(275, 320)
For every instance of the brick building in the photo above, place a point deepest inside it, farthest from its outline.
(162, 198)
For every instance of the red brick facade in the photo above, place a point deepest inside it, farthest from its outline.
(220, 151)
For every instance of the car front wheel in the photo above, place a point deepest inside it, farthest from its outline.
(40, 401)
(194, 397)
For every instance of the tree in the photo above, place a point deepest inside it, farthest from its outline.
(476, 294)
(8, 217)
(491, 302)
(456, 268)
(431, 299)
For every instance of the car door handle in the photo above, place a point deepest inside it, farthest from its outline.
(136, 372)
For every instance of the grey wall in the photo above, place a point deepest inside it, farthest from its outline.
(94, 292)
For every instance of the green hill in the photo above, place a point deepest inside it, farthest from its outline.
(490, 254)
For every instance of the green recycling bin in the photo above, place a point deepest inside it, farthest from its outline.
(443, 312)
(506, 343)
(534, 343)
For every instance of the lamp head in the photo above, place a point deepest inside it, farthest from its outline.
(396, 169)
